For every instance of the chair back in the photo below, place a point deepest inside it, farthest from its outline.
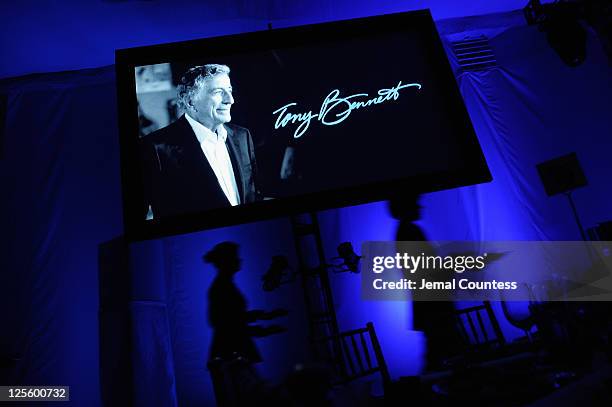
(479, 328)
(361, 355)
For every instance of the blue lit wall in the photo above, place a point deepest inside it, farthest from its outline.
(48, 36)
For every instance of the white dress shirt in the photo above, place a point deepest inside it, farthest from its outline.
(215, 150)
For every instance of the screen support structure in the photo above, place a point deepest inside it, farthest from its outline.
(318, 298)
(568, 194)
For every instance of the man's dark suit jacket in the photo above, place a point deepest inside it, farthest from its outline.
(177, 177)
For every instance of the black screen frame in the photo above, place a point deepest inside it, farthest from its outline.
(135, 228)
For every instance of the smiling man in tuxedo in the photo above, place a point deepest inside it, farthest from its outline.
(201, 161)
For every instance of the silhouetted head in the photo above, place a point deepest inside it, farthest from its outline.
(404, 205)
(224, 256)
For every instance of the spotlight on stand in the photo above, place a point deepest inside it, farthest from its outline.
(276, 274)
(560, 22)
(350, 258)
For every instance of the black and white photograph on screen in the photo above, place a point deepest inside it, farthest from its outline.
(199, 160)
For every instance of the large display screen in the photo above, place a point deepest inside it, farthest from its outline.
(233, 129)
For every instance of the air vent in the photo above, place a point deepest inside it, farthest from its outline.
(474, 54)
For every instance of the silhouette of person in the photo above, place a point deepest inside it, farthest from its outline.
(404, 206)
(433, 318)
(227, 311)
(232, 343)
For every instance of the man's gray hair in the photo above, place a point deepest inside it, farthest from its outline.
(193, 80)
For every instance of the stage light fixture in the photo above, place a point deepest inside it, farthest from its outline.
(280, 271)
(560, 21)
(276, 274)
(567, 37)
(349, 257)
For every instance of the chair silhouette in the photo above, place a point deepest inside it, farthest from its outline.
(360, 356)
(479, 328)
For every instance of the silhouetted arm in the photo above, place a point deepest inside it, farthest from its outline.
(259, 331)
(261, 315)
